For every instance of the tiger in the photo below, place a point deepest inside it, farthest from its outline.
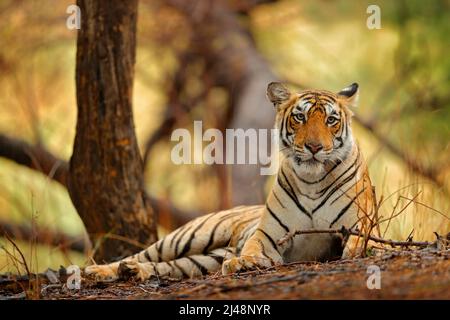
(322, 183)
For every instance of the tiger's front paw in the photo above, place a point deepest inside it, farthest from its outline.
(102, 272)
(134, 270)
(244, 263)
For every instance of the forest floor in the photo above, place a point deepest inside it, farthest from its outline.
(419, 274)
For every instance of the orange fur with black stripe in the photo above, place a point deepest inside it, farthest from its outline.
(322, 183)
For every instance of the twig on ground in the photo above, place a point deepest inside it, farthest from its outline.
(343, 231)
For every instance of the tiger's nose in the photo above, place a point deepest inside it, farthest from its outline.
(314, 147)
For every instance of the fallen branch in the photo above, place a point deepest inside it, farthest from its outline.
(44, 236)
(37, 157)
(345, 232)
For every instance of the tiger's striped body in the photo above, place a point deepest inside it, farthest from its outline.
(322, 183)
(198, 247)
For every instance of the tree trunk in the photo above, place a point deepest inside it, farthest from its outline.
(106, 181)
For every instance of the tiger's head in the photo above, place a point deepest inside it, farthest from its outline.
(314, 124)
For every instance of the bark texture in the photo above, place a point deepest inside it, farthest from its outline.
(106, 181)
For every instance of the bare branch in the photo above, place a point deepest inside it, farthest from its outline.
(344, 232)
(44, 236)
(35, 157)
(415, 165)
(40, 159)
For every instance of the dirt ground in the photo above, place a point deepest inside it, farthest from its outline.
(423, 274)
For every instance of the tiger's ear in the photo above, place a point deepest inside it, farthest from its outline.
(277, 93)
(349, 95)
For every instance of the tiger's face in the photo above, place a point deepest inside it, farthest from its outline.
(314, 124)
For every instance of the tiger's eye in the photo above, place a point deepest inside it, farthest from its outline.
(300, 117)
(332, 120)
